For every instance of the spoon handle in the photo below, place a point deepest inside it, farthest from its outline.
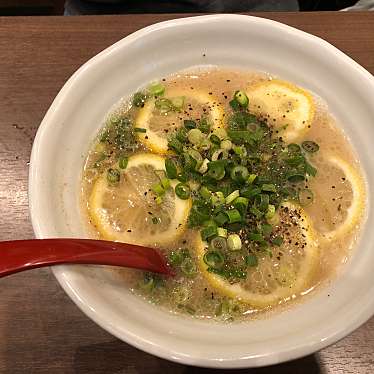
(20, 255)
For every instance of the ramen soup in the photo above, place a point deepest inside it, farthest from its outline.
(242, 180)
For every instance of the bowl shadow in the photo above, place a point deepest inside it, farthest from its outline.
(116, 357)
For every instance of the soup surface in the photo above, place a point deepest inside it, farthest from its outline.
(242, 180)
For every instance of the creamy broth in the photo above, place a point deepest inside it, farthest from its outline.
(332, 196)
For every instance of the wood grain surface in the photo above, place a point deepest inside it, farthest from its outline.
(41, 330)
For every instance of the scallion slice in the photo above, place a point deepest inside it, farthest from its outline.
(156, 89)
(171, 168)
(214, 259)
(182, 191)
(234, 242)
(233, 195)
(233, 215)
(218, 243)
(239, 173)
(310, 146)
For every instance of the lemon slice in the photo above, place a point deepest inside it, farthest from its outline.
(128, 211)
(159, 126)
(281, 277)
(341, 204)
(288, 108)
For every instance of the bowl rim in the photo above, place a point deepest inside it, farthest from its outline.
(58, 271)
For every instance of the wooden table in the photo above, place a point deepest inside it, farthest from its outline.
(41, 330)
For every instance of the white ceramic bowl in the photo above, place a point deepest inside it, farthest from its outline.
(154, 52)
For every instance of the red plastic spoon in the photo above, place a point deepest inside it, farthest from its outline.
(20, 255)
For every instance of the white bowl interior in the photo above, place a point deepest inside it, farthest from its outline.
(78, 112)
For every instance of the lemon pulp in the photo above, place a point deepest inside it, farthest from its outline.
(342, 202)
(283, 105)
(159, 126)
(128, 212)
(277, 277)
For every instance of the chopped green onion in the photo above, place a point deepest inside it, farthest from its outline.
(243, 136)
(215, 139)
(256, 212)
(182, 191)
(296, 177)
(293, 148)
(266, 229)
(219, 154)
(195, 155)
(289, 192)
(216, 169)
(177, 102)
(140, 129)
(175, 258)
(156, 89)
(158, 200)
(233, 195)
(218, 243)
(251, 260)
(204, 126)
(241, 203)
(122, 162)
(305, 197)
(139, 99)
(262, 202)
(251, 178)
(240, 150)
(271, 212)
(171, 168)
(214, 259)
(113, 176)
(239, 173)
(295, 160)
(205, 144)
(190, 164)
(222, 232)
(220, 133)
(189, 124)
(158, 189)
(220, 218)
(205, 193)
(269, 188)
(164, 105)
(165, 182)
(208, 232)
(233, 216)
(310, 146)
(204, 166)
(181, 134)
(217, 198)
(234, 242)
(175, 145)
(226, 145)
(309, 169)
(188, 267)
(182, 177)
(148, 283)
(195, 136)
(235, 104)
(241, 98)
(278, 241)
(256, 237)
